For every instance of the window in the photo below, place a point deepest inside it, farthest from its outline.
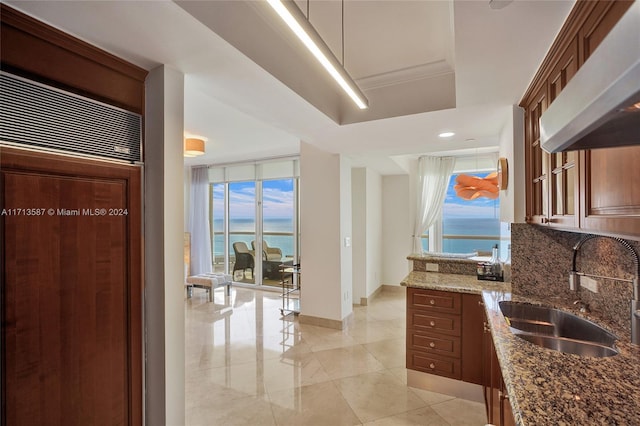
(465, 226)
(251, 203)
(469, 225)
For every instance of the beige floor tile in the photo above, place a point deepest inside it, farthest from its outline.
(321, 404)
(432, 398)
(245, 378)
(303, 370)
(460, 412)
(248, 365)
(377, 395)
(399, 373)
(349, 361)
(372, 331)
(238, 412)
(424, 416)
(391, 353)
(322, 338)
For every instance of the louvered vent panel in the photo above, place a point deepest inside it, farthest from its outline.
(37, 115)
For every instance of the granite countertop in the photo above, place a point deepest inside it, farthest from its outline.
(550, 387)
(451, 282)
(547, 387)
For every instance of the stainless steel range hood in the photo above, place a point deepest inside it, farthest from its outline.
(600, 107)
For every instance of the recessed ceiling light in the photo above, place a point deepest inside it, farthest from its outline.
(446, 134)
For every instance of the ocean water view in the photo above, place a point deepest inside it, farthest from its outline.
(246, 227)
(452, 226)
(468, 227)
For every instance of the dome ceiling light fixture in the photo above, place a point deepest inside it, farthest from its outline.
(446, 134)
(193, 147)
(302, 28)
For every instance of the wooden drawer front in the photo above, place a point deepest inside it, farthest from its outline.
(436, 322)
(434, 343)
(428, 363)
(440, 301)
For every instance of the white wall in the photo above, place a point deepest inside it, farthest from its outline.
(187, 197)
(366, 196)
(512, 200)
(359, 228)
(346, 255)
(163, 237)
(373, 231)
(397, 224)
(320, 197)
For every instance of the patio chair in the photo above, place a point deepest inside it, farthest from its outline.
(268, 253)
(244, 258)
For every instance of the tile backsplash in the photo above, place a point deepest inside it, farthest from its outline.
(541, 260)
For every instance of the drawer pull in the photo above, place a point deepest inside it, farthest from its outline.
(432, 345)
(432, 323)
(433, 302)
(432, 366)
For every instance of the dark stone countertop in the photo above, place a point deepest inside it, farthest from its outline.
(547, 387)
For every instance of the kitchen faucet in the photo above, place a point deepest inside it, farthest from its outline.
(574, 283)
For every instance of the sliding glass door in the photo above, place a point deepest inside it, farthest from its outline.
(254, 220)
(242, 231)
(278, 227)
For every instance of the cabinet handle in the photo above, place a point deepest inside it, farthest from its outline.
(433, 302)
(486, 327)
(480, 303)
(432, 366)
(432, 345)
(432, 323)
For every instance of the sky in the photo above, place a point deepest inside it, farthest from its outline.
(278, 201)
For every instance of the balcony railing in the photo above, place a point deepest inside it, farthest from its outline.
(484, 243)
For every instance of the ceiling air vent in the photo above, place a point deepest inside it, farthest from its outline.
(37, 115)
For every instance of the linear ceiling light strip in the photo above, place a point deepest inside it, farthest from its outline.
(296, 21)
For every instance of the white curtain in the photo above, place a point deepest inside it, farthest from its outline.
(201, 262)
(433, 174)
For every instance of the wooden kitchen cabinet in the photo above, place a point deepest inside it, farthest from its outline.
(444, 334)
(536, 160)
(610, 192)
(497, 404)
(563, 166)
(591, 190)
(600, 17)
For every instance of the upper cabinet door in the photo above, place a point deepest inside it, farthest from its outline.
(563, 173)
(611, 192)
(603, 16)
(536, 160)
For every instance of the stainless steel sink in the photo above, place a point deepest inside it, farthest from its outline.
(558, 330)
(568, 345)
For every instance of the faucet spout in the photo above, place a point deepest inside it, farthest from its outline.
(574, 283)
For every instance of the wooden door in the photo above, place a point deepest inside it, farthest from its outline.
(71, 292)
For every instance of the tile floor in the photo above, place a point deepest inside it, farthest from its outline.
(248, 365)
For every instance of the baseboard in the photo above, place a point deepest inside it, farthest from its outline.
(393, 288)
(439, 384)
(386, 288)
(326, 322)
